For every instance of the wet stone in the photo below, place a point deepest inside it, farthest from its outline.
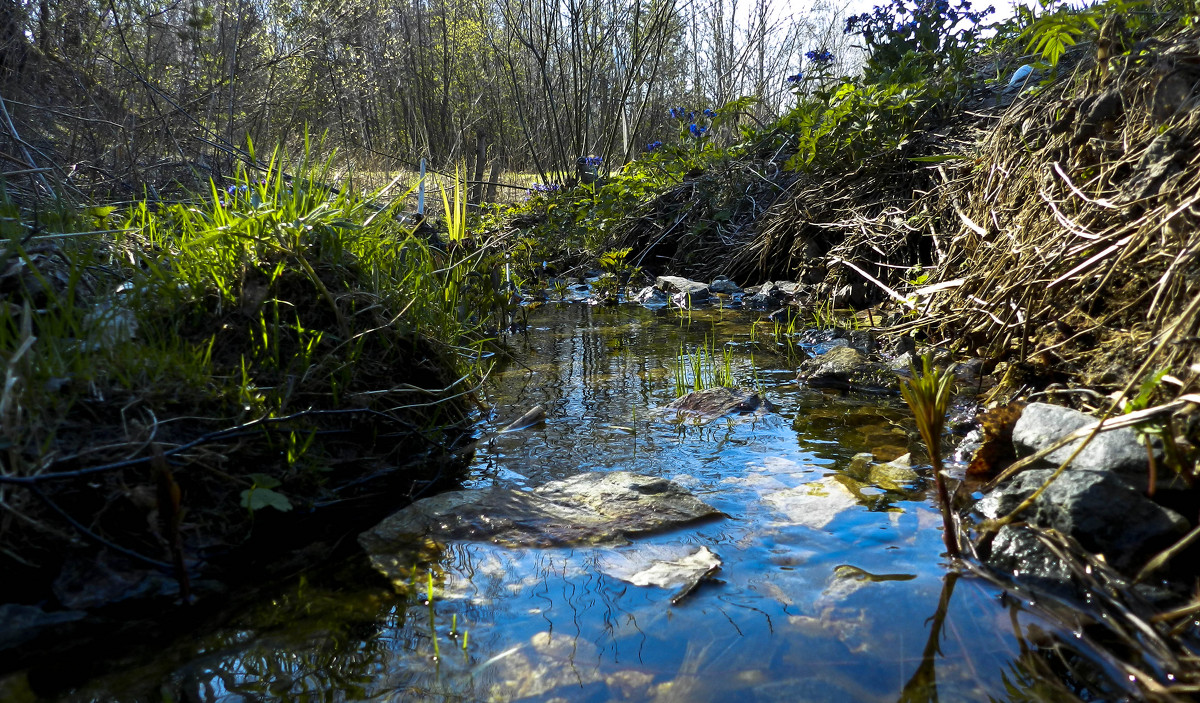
(22, 623)
(724, 286)
(712, 403)
(591, 508)
(846, 368)
(1106, 514)
(650, 297)
(681, 288)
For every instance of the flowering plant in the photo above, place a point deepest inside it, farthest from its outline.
(943, 33)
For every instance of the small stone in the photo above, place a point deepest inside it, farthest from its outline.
(846, 368)
(724, 286)
(650, 297)
(678, 287)
(715, 402)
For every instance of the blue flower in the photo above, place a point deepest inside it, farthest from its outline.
(709, 112)
(823, 57)
(593, 160)
(796, 78)
(697, 131)
(653, 145)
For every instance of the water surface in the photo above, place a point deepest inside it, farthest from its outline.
(833, 585)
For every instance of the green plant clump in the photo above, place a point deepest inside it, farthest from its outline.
(274, 326)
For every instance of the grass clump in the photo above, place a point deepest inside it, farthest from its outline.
(277, 337)
(703, 368)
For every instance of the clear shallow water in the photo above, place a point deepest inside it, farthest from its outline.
(832, 580)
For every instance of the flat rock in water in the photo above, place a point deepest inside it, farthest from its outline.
(712, 403)
(665, 566)
(1042, 424)
(846, 368)
(591, 508)
(1106, 514)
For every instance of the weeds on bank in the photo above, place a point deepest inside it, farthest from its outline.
(275, 308)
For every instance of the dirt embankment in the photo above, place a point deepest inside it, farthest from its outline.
(1063, 243)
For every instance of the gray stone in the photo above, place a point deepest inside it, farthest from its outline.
(1105, 513)
(1019, 554)
(846, 368)
(650, 297)
(22, 623)
(675, 286)
(1042, 424)
(764, 297)
(724, 286)
(591, 508)
(712, 403)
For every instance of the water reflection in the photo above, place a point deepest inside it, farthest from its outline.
(831, 589)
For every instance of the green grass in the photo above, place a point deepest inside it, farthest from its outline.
(276, 306)
(703, 368)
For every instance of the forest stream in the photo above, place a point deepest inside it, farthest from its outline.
(832, 584)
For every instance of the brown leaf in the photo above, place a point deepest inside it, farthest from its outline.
(997, 449)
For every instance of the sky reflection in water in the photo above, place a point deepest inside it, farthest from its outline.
(831, 585)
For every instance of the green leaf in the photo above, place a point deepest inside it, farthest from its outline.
(259, 498)
(264, 481)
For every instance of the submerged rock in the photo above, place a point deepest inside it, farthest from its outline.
(712, 403)
(22, 623)
(846, 368)
(666, 566)
(1106, 514)
(591, 508)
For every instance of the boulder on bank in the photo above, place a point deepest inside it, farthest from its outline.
(591, 508)
(1102, 511)
(1042, 424)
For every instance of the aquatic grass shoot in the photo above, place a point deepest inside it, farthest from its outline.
(927, 392)
(705, 367)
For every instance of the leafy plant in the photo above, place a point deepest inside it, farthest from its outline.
(927, 392)
(456, 212)
(261, 494)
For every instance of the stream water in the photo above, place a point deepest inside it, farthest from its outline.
(833, 587)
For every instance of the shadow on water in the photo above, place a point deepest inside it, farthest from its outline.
(832, 586)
